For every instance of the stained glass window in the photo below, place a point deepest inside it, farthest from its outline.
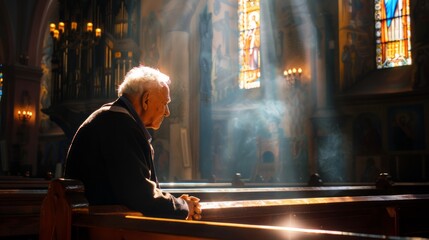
(249, 44)
(393, 33)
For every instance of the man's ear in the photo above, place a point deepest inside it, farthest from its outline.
(145, 100)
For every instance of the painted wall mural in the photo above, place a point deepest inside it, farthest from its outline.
(356, 51)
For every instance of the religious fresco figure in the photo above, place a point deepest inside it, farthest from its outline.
(348, 58)
(421, 74)
(355, 41)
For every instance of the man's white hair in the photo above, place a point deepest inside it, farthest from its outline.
(140, 79)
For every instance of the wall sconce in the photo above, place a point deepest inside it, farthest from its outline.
(292, 77)
(24, 115)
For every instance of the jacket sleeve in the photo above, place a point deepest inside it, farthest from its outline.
(129, 170)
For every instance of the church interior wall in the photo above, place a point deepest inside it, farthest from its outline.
(333, 123)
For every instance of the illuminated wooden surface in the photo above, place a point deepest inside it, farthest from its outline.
(394, 199)
(384, 214)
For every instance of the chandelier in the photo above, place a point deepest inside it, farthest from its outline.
(72, 37)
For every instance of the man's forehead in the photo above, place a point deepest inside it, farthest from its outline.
(164, 93)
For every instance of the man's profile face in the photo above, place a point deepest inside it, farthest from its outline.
(157, 108)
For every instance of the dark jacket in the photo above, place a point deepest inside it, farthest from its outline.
(111, 154)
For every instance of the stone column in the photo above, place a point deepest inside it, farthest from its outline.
(23, 91)
(175, 60)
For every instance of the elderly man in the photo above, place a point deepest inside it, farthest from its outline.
(112, 155)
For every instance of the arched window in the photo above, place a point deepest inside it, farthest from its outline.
(393, 33)
(249, 43)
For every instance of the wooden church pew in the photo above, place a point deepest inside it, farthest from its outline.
(67, 215)
(398, 215)
(20, 200)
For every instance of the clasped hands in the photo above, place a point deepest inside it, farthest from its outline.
(194, 207)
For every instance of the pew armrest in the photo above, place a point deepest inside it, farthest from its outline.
(65, 199)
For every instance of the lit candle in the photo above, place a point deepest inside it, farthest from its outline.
(56, 34)
(98, 32)
(299, 70)
(285, 73)
(52, 27)
(61, 27)
(89, 27)
(73, 26)
(294, 70)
